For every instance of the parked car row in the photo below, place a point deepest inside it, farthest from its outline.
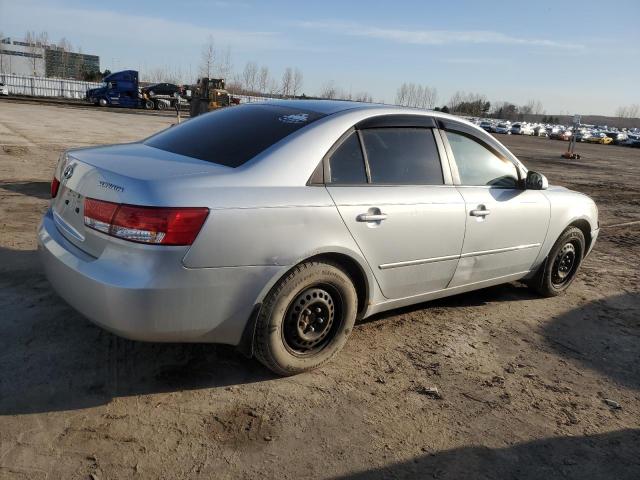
(508, 128)
(585, 133)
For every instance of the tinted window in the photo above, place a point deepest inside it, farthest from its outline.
(402, 156)
(347, 163)
(234, 135)
(477, 165)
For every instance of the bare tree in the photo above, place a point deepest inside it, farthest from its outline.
(505, 110)
(225, 63)
(412, 95)
(287, 82)
(250, 76)
(431, 97)
(263, 79)
(329, 90)
(272, 87)
(629, 111)
(33, 49)
(363, 97)
(80, 66)
(65, 49)
(43, 39)
(537, 108)
(163, 74)
(402, 94)
(208, 58)
(296, 87)
(455, 101)
(234, 85)
(2, 48)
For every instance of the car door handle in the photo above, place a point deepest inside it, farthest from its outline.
(371, 217)
(480, 212)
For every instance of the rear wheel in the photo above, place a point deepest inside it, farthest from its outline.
(306, 318)
(562, 264)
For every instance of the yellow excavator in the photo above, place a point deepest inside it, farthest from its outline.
(210, 94)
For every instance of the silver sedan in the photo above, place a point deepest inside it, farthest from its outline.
(274, 226)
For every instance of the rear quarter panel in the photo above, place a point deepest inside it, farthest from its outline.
(283, 227)
(271, 226)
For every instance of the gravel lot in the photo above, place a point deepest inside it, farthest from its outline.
(523, 380)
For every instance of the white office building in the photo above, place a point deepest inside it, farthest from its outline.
(21, 58)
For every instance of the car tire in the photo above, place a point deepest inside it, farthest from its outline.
(306, 318)
(102, 102)
(562, 265)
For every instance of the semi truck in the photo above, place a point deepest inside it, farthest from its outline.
(122, 89)
(118, 89)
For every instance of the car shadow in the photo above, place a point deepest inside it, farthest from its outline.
(54, 359)
(37, 189)
(603, 335)
(605, 456)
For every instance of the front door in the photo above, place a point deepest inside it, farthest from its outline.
(505, 224)
(407, 222)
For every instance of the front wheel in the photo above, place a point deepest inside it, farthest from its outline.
(306, 318)
(562, 264)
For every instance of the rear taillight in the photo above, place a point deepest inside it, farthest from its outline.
(157, 225)
(55, 185)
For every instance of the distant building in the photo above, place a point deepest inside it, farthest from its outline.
(62, 64)
(22, 58)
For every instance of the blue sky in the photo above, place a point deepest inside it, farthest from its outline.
(574, 56)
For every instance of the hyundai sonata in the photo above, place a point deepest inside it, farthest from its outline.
(274, 226)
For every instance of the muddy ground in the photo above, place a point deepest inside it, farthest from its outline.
(523, 380)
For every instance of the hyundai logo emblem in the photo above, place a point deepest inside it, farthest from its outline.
(68, 171)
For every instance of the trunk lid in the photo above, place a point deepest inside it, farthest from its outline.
(131, 174)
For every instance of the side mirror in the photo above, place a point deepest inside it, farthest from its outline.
(536, 181)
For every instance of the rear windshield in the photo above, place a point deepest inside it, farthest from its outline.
(232, 136)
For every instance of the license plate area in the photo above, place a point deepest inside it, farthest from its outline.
(69, 213)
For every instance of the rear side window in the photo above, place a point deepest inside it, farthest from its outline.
(232, 136)
(477, 165)
(346, 164)
(399, 156)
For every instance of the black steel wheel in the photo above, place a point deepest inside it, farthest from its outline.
(565, 264)
(312, 319)
(306, 318)
(562, 264)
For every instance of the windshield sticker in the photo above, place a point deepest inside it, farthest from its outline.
(294, 118)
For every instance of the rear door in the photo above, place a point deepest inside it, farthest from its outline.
(399, 204)
(505, 224)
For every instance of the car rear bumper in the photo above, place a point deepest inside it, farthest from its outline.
(143, 292)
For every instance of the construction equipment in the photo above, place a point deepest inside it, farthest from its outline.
(210, 94)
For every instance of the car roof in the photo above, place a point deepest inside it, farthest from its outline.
(326, 107)
(330, 107)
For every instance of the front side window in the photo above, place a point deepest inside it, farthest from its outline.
(402, 156)
(479, 166)
(346, 164)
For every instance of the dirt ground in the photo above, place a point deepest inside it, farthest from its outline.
(522, 380)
